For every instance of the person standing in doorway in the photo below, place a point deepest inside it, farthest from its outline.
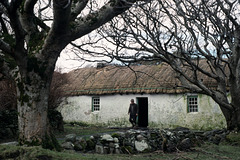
(133, 112)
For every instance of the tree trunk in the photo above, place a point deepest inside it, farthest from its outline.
(233, 120)
(34, 127)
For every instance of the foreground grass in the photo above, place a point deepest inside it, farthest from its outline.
(206, 152)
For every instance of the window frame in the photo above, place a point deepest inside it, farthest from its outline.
(95, 105)
(195, 107)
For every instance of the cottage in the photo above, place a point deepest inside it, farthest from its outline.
(102, 95)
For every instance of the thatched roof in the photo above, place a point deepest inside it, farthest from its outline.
(151, 79)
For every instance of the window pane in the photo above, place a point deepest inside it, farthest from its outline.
(95, 103)
(192, 104)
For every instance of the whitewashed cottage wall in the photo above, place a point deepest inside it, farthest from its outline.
(164, 111)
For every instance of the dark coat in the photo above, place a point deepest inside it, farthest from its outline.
(133, 109)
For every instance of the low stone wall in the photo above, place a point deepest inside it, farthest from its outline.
(142, 140)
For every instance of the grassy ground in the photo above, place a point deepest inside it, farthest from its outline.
(83, 130)
(229, 150)
(205, 152)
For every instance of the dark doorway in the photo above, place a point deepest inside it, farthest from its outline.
(143, 111)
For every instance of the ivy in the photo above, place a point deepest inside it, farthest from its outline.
(8, 38)
(50, 142)
(36, 66)
(36, 42)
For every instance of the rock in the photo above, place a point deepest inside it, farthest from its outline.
(185, 144)
(111, 145)
(111, 150)
(99, 149)
(78, 139)
(116, 145)
(105, 150)
(140, 137)
(78, 147)
(215, 139)
(140, 146)
(90, 145)
(115, 140)
(171, 147)
(80, 144)
(107, 137)
(117, 151)
(182, 129)
(70, 138)
(68, 145)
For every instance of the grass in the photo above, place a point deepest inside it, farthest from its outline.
(229, 150)
(79, 130)
(206, 152)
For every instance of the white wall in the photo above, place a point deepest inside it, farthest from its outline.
(164, 110)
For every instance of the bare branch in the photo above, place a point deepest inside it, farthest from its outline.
(5, 47)
(94, 20)
(77, 8)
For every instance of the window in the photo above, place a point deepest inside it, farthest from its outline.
(192, 102)
(95, 104)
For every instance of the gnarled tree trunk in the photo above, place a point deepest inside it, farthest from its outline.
(32, 94)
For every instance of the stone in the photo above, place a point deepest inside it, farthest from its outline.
(90, 144)
(111, 150)
(80, 144)
(111, 145)
(78, 147)
(116, 145)
(107, 137)
(70, 138)
(140, 146)
(115, 140)
(185, 144)
(105, 150)
(78, 139)
(171, 147)
(140, 137)
(99, 149)
(68, 145)
(215, 139)
(117, 151)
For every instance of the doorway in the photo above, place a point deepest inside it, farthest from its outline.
(143, 111)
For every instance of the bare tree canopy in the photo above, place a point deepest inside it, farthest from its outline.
(181, 33)
(33, 34)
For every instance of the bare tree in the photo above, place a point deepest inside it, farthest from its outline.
(184, 33)
(30, 47)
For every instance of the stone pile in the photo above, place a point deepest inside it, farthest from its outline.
(142, 140)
